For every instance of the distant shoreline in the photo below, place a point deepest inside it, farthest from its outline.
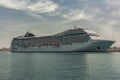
(114, 49)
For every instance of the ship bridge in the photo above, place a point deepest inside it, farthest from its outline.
(93, 35)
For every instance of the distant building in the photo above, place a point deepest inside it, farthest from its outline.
(114, 48)
(5, 49)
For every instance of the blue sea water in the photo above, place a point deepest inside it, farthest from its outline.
(60, 66)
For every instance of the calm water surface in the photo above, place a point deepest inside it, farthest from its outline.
(60, 66)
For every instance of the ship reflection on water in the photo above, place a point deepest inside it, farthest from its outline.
(65, 66)
(48, 66)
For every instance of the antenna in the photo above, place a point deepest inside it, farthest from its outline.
(29, 29)
(75, 27)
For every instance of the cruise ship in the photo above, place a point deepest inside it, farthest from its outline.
(76, 39)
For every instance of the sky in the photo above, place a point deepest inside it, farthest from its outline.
(47, 17)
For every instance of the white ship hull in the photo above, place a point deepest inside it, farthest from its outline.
(93, 45)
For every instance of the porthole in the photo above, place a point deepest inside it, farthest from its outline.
(98, 47)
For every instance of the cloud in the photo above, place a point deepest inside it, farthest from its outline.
(111, 33)
(114, 6)
(50, 8)
(75, 15)
(43, 6)
(36, 16)
(115, 3)
(39, 6)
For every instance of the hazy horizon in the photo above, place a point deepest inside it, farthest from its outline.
(47, 17)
